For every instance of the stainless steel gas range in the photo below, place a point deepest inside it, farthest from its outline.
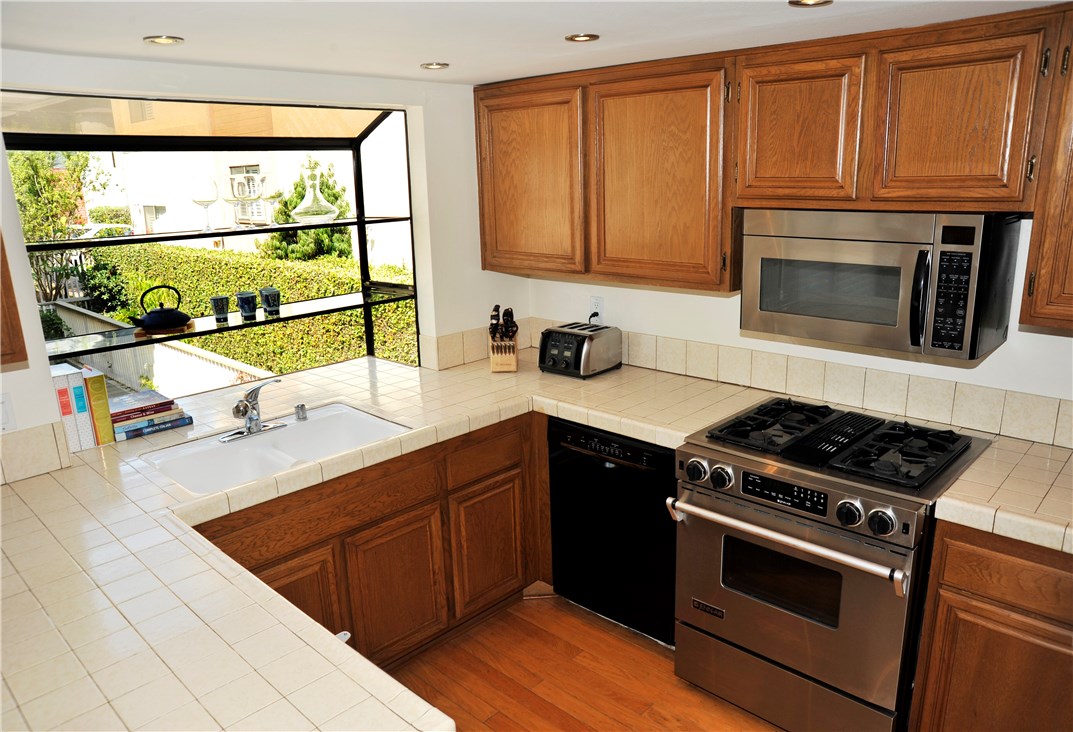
(803, 539)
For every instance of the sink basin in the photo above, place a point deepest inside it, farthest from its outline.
(208, 465)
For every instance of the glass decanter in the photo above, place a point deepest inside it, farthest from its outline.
(314, 209)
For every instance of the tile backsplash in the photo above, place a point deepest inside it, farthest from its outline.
(1010, 413)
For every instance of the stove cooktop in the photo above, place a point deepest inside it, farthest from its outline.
(892, 452)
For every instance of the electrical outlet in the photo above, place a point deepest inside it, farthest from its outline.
(596, 305)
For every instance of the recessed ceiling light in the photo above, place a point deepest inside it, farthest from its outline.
(163, 40)
(582, 37)
(435, 65)
(808, 3)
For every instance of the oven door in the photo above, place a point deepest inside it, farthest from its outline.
(818, 616)
(866, 293)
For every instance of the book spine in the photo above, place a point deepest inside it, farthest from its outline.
(83, 420)
(142, 431)
(129, 414)
(97, 389)
(67, 413)
(128, 426)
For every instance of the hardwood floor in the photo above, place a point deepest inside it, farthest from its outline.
(545, 664)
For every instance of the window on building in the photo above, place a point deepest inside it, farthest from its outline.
(228, 183)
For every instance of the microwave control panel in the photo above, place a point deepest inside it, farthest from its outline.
(951, 301)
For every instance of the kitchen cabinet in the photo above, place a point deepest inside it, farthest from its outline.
(486, 542)
(655, 179)
(12, 345)
(997, 646)
(530, 181)
(800, 126)
(395, 572)
(310, 580)
(956, 116)
(405, 550)
(1048, 292)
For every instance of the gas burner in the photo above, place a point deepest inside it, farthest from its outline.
(902, 453)
(773, 424)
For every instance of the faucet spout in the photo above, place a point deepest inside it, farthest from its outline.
(249, 408)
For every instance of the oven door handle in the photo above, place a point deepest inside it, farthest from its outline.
(897, 577)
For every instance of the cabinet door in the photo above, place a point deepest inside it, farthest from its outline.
(486, 542)
(993, 669)
(655, 182)
(800, 128)
(310, 580)
(1048, 293)
(398, 596)
(529, 145)
(12, 345)
(954, 119)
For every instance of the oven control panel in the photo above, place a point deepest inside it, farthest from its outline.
(804, 499)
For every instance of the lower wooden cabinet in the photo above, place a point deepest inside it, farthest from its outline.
(486, 542)
(310, 580)
(997, 649)
(398, 593)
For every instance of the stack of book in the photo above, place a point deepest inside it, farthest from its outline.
(143, 413)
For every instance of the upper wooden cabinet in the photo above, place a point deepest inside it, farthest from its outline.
(1048, 293)
(530, 181)
(12, 345)
(799, 129)
(955, 119)
(655, 179)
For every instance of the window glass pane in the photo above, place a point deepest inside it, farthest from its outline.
(391, 254)
(384, 169)
(800, 587)
(856, 292)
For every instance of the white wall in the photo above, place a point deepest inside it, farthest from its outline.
(1028, 362)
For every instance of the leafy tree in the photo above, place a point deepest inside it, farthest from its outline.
(110, 215)
(48, 191)
(310, 243)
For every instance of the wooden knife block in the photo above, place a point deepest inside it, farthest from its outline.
(503, 355)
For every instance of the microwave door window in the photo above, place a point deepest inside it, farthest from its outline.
(861, 293)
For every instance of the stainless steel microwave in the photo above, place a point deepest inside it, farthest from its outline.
(932, 283)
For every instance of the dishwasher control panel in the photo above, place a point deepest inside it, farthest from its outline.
(604, 446)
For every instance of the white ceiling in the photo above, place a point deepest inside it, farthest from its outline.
(483, 41)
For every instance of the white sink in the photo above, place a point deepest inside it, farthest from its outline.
(208, 465)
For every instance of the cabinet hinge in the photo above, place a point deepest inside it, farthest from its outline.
(723, 261)
(1031, 172)
(1045, 63)
(1065, 61)
(739, 91)
(1032, 284)
(726, 92)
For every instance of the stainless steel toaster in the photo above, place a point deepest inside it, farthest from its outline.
(580, 349)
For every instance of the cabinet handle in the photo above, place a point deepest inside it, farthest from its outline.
(1045, 63)
(1065, 61)
(726, 87)
(1032, 284)
(739, 91)
(724, 261)
(1031, 173)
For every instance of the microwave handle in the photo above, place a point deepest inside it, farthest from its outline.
(918, 299)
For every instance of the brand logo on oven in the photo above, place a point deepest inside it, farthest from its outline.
(706, 608)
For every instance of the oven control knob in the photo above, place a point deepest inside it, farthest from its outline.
(721, 477)
(849, 513)
(696, 470)
(881, 522)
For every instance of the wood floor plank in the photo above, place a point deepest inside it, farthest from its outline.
(546, 664)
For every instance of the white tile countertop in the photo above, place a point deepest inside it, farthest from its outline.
(117, 615)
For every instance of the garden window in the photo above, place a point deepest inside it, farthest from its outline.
(119, 196)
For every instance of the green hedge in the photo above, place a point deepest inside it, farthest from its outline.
(281, 347)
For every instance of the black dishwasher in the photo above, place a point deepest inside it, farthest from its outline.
(612, 540)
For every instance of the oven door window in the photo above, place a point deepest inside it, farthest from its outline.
(795, 585)
(861, 293)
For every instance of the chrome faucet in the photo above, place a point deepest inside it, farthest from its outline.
(249, 409)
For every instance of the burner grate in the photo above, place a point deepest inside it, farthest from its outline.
(773, 425)
(902, 453)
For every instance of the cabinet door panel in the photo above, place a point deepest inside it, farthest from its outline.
(655, 193)
(486, 531)
(310, 581)
(530, 160)
(397, 589)
(800, 129)
(956, 119)
(992, 669)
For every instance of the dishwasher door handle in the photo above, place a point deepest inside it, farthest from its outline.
(898, 577)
